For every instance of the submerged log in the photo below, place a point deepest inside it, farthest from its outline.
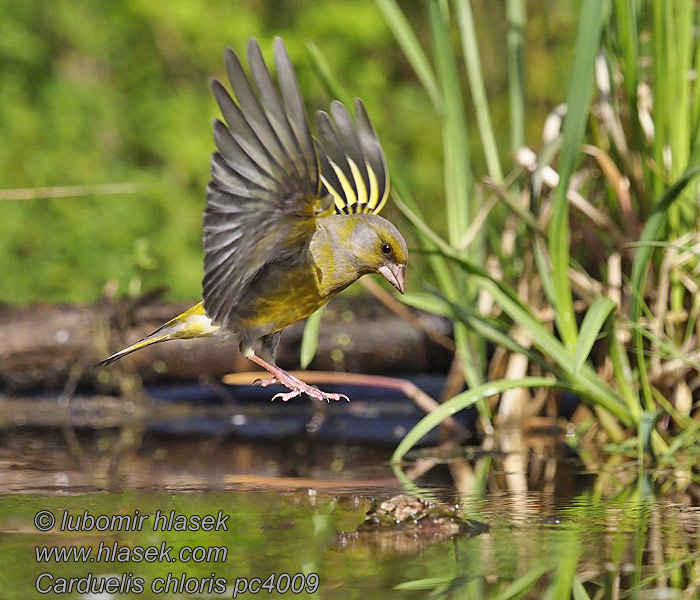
(52, 347)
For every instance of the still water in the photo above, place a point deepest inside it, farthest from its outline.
(123, 515)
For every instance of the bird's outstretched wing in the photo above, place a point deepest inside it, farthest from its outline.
(353, 168)
(266, 190)
(271, 179)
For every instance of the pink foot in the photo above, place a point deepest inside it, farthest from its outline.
(314, 392)
(296, 386)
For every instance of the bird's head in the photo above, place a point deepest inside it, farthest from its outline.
(379, 248)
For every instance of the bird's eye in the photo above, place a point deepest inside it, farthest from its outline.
(386, 249)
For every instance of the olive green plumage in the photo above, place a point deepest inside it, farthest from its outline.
(290, 219)
(294, 286)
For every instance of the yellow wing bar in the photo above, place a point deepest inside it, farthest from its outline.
(353, 167)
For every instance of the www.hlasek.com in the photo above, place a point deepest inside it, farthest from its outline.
(171, 583)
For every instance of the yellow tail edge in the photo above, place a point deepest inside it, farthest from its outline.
(147, 341)
(192, 323)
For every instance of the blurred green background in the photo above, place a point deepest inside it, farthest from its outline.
(114, 92)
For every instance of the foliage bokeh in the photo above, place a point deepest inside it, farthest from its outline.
(95, 93)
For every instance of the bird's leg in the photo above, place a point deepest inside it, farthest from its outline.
(268, 350)
(266, 359)
(296, 386)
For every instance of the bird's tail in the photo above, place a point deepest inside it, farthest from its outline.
(157, 336)
(193, 323)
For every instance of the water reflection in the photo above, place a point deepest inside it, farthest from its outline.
(540, 528)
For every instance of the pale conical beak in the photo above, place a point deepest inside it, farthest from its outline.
(395, 275)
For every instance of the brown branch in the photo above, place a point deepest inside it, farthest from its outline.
(409, 389)
(69, 191)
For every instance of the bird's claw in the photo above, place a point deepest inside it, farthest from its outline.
(284, 396)
(314, 392)
(327, 396)
(266, 382)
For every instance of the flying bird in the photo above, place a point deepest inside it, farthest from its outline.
(290, 219)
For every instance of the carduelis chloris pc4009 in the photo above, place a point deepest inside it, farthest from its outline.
(290, 220)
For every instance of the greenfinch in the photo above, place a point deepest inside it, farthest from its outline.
(290, 219)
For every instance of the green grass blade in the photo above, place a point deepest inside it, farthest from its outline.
(470, 50)
(408, 42)
(544, 270)
(660, 88)
(426, 236)
(488, 329)
(515, 15)
(593, 322)
(521, 585)
(679, 247)
(513, 204)
(624, 21)
(647, 425)
(680, 56)
(325, 74)
(642, 257)
(429, 583)
(696, 96)
(567, 560)
(465, 400)
(431, 241)
(410, 211)
(579, 592)
(622, 371)
(578, 103)
(409, 486)
(482, 470)
(428, 303)
(309, 339)
(458, 178)
(458, 175)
